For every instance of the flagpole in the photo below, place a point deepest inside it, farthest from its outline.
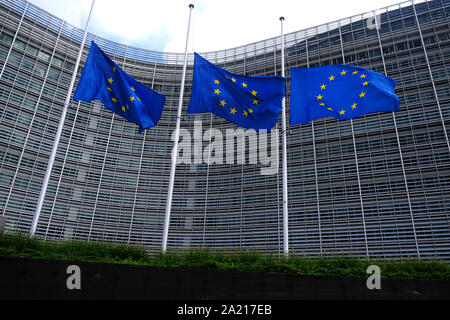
(51, 160)
(284, 154)
(175, 145)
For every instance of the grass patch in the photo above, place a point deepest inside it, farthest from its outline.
(26, 247)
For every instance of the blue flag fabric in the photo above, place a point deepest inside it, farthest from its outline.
(250, 102)
(103, 80)
(340, 91)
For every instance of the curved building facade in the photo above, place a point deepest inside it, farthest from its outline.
(377, 186)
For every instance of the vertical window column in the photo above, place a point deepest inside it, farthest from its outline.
(81, 174)
(279, 222)
(315, 161)
(399, 148)
(356, 160)
(140, 162)
(431, 75)
(103, 164)
(32, 120)
(14, 39)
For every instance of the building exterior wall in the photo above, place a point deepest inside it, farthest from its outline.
(388, 198)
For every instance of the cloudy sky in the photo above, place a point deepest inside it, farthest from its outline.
(216, 25)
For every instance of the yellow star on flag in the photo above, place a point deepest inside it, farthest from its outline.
(254, 93)
(132, 88)
(342, 112)
(114, 69)
(216, 82)
(366, 83)
(245, 113)
(355, 72)
(132, 98)
(256, 101)
(362, 76)
(233, 111)
(362, 95)
(250, 110)
(109, 89)
(244, 85)
(114, 100)
(319, 97)
(217, 91)
(123, 109)
(223, 103)
(343, 73)
(331, 78)
(323, 87)
(110, 80)
(322, 104)
(354, 106)
(330, 109)
(233, 79)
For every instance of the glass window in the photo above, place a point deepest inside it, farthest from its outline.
(6, 38)
(27, 64)
(19, 45)
(15, 58)
(43, 56)
(32, 51)
(57, 62)
(69, 66)
(39, 70)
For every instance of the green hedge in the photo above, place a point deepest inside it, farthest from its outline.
(23, 246)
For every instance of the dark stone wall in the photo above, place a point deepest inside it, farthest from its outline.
(45, 279)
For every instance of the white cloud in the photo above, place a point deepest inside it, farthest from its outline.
(231, 23)
(136, 20)
(216, 25)
(75, 12)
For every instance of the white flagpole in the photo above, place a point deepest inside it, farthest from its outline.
(175, 145)
(284, 154)
(51, 160)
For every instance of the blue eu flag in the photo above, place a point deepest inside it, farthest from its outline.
(340, 91)
(103, 80)
(250, 102)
